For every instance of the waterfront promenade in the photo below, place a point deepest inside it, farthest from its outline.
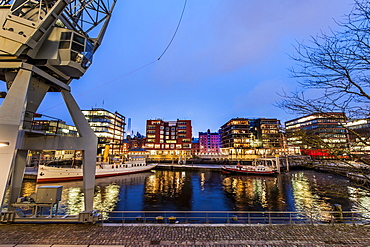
(44, 235)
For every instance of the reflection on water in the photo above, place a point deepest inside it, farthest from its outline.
(255, 193)
(306, 191)
(167, 189)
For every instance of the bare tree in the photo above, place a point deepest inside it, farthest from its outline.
(333, 73)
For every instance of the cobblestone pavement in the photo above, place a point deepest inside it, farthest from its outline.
(45, 235)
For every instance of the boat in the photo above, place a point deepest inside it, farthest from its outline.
(250, 169)
(72, 170)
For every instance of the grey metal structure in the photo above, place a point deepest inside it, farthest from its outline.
(44, 45)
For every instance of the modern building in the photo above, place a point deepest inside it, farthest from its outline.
(251, 136)
(109, 128)
(168, 139)
(359, 135)
(236, 133)
(267, 133)
(316, 133)
(209, 143)
(57, 127)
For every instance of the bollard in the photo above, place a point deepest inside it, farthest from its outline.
(337, 213)
(172, 219)
(159, 219)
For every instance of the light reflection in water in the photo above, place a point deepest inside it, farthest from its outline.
(254, 192)
(361, 199)
(186, 190)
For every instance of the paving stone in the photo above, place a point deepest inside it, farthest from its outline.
(63, 235)
(33, 245)
(63, 245)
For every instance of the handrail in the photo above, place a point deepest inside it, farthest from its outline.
(236, 217)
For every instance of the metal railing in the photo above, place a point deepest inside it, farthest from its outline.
(235, 217)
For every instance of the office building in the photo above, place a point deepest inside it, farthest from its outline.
(251, 136)
(109, 128)
(359, 135)
(316, 133)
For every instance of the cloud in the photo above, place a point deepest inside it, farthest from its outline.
(236, 33)
(261, 99)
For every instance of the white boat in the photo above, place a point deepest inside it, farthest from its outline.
(66, 171)
(251, 170)
(263, 166)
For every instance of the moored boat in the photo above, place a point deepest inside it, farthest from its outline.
(252, 170)
(55, 172)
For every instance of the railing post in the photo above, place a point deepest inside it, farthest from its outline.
(144, 217)
(290, 218)
(249, 218)
(123, 218)
(228, 218)
(332, 219)
(269, 213)
(353, 220)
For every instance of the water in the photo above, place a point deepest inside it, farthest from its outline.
(164, 190)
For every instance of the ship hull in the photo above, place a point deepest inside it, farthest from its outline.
(54, 174)
(246, 172)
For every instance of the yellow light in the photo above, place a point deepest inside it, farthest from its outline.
(4, 144)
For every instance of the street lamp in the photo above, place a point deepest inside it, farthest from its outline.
(4, 144)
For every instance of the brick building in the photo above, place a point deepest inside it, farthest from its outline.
(168, 139)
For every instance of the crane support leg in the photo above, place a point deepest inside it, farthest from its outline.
(90, 142)
(17, 177)
(11, 117)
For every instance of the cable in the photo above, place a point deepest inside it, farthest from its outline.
(177, 28)
(132, 71)
(115, 79)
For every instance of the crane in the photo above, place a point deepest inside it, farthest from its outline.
(44, 45)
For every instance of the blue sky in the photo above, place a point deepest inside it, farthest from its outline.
(229, 59)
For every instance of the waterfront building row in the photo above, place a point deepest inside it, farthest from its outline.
(238, 137)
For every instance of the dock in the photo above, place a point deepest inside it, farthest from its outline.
(30, 173)
(191, 167)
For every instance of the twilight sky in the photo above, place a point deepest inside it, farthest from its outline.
(229, 59)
